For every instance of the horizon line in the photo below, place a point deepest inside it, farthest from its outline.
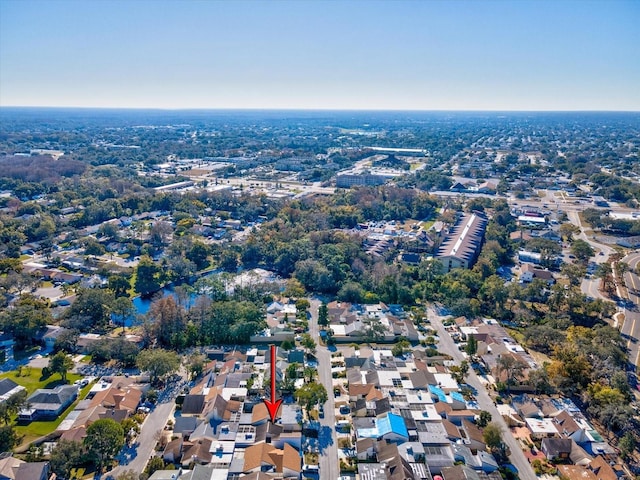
(315, 109)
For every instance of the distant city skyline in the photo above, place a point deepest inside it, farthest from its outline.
(348, 55)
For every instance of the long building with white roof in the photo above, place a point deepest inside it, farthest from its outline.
(461, 248)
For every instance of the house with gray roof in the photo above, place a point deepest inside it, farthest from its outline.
(8, 388)
(48, 403)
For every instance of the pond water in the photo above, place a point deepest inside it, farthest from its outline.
(141, 305)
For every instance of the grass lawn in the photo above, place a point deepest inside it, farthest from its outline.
(31, 378)
(426, 225)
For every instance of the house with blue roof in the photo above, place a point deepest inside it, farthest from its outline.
(390, 427)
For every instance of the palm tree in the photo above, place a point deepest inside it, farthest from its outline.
(309, 374)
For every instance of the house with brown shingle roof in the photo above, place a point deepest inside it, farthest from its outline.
(366, 449)
(575, 472)
(119, 397)
(265, 457)
(76, 434)
(173, 451)
(453, 433)
(360, 391)
(8, 467)
(215, 408)
(601, 469)
(260, 414)
(474, 437)
(197, 452)
(569, 428)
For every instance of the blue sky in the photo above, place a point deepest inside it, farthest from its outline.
(401, 55)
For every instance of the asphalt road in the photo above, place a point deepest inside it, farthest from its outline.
(327, 439)
(446, 345)
(136, 458)
(591, 286)
(631, 327)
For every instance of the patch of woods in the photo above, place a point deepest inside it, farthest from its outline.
(41, 168)
(599, 219)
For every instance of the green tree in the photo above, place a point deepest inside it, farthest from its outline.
(294, 288)
(158, 362)
(311, 394)
(229, 261)
(105, 438)
(66, 341)
(483, 419)
(287, 344)
(155, 463)
(28, 315)
(195, 364)
(119, 285)
(582, 250)
(605, 273)
(148, 276)
(574, 273)
(400, 347)
(308, 343)
(131, 475)
(323, 315)
(91, 310)
(627, 445)
(123, 309)
(61, 363)
(309, 373)
(568, 230)
(66, 456)
(8, 438)
(492, 436)
(198, 254)
(472, 346)
(118, 349)
(10, 407)
(512, 367)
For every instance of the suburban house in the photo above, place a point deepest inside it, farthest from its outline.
(48, 403)
(33, 471)
(9, 466)
(556, 448)
(8, 388)
(529, 273)
(264, 457)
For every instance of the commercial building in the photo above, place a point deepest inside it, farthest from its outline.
(350, 180)
(462, 246)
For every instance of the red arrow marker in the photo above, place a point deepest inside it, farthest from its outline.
(273, 404)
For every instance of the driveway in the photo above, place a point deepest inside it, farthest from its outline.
(446, 345)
